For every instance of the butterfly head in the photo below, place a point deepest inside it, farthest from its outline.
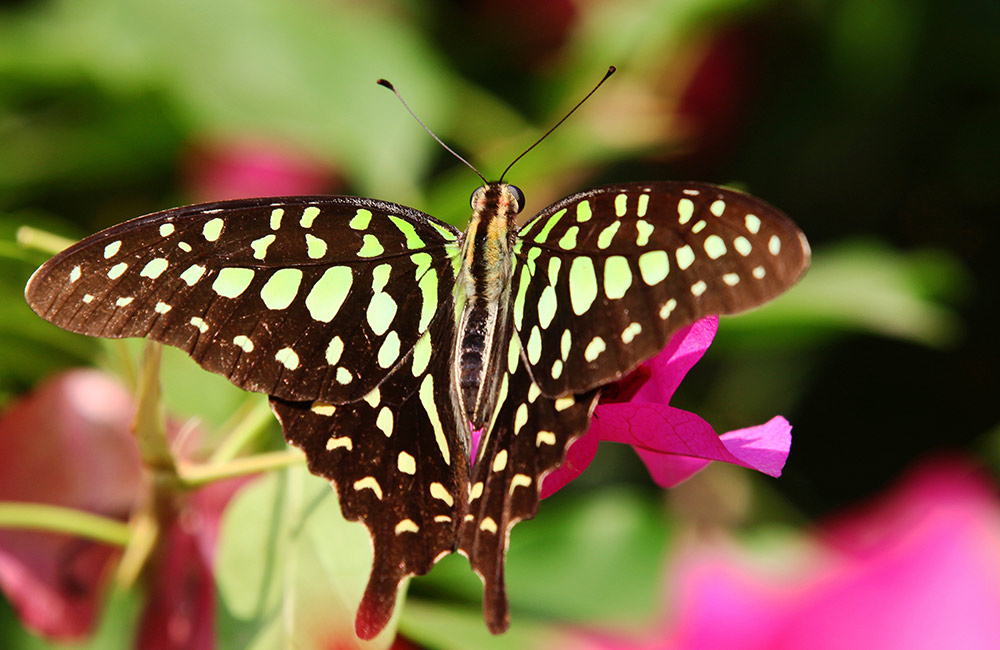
(497, 198)
(489, 237)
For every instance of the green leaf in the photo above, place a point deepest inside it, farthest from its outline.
(865, 286)
(290, 570)
(32, 347)
(301, 72)
(115, 626)
(593, 557)
(447, 627)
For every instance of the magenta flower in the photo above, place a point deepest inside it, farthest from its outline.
(918, 571)
(673, 443)
(70, 444)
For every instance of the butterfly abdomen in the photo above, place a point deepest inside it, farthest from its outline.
(483, 325)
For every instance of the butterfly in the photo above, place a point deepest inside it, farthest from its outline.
(434, 376)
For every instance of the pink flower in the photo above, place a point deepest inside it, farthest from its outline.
(673, 443)
(69, 444)
(918, 571)
(238, 169)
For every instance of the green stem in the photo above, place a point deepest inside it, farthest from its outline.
(249, 423)
(196, 475)
(150, 419)
(39, 516)
(41, 240)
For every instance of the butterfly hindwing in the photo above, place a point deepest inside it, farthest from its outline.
(526, 440)
(300, 298)
(604, 277)
(396, 463)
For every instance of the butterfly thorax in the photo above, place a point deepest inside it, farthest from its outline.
(484, 291)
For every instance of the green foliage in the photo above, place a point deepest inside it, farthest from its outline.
(866, 287)
(118, 619)
(290, 570)
(873, 123)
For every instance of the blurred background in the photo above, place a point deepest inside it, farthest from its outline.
(875, 124)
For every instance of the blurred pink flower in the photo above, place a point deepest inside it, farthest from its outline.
(239, 169)
(918, 571)
(69, 443)
(673, 443)
(713, 106)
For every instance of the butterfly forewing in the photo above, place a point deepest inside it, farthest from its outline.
(300, 298)
(603, 278)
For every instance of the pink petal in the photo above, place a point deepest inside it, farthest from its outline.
(674, 444)
(180, 611)
(578, 458)
(920, 571)
(67, 444)
(669, 439)
(242, 168)
(70, 431)
(764, 447)
(669, 367)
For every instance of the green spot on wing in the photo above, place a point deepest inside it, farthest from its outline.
(371, 247)
(328, 294)
(448, 234)
(582, 285)
(361, 219)
(604, 239)
(549, 225)
(644, 230)
(381, 311)
(568, 241)
(534, 347)
(617, 276)
(421, 354)
(281, 288)
(428, 293)
(532, 256)
(522, 290)
(315, 247)
(547, 306)
(232, 281)
(654, 266)
(413, 240)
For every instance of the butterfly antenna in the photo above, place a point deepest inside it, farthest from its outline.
(383, 82)
(611, 71)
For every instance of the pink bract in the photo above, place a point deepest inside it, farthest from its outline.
(69, 443)
(673, 443)
(66, 444)
(919, 570)
(243, 168)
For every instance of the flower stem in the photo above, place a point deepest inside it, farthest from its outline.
(39, 516)
(196, 475)
(150, 419)
(41, 240)
(249, 422)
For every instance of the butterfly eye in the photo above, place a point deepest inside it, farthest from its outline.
(476, 194)
(518, 196)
